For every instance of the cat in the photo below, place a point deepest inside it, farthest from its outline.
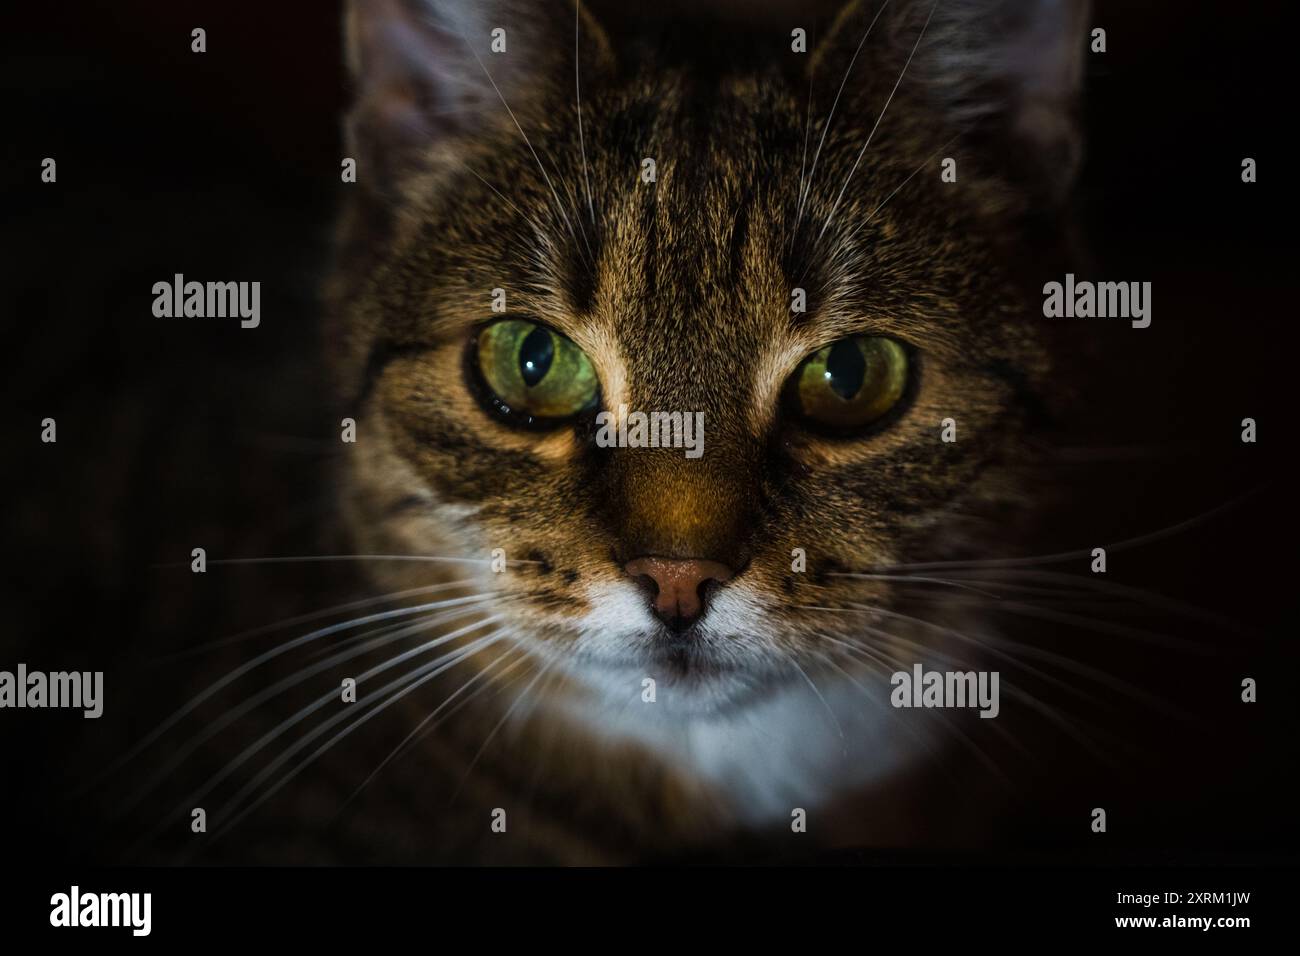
(559, 211)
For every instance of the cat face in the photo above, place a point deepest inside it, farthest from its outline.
(717, 242)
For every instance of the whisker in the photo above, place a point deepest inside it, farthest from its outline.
(881, 116)
(499, 724)
(858, 227)
(1037, 704)
(577, 91)
(179, 755)
(908, 578)
(388, 629)
(1059, 594)
(213, 782)
(1075, 454)
(891, 663)
(180, 714)
(425, 673)
(546, 744)
(1087, 591)
(310, 558)
(1126, 592)
(527, 217)
(215, 688)
(304, 618)
(886, 664)
(559, 207)
(1081, 553)
(423, 727)
(803, 160)
(839, 729)
(831, 115)
(1061, 660)
(1107, 627)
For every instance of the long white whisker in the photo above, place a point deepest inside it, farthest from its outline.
(1037, 704)
(531, 220)
(858, 227)
(1090, 587)
(559, 206)
(908, 578)
(946, 722)
(1060, 660)
(577, 89)
(499, 724)
(311, 558)
(197, 795)
(434, 667)
(803, 160)
(419, 731)
(871, 135)
(425, 674)
(304, 618)
(839, 729)
(807, 190)
(1105, 627)
(215, 688)
(1081, 553)
(924, 163)
(178, 756)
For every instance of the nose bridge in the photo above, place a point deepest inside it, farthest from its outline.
(675, 507)
(668, 504)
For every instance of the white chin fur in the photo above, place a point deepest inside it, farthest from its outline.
(754, 730)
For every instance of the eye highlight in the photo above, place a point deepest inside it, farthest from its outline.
(534, 376)
(851, 383)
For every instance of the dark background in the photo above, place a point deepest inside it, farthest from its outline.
(174, 433)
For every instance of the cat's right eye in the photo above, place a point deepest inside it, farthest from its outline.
(850, 384)
(532, 376)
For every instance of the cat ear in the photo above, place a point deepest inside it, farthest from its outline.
(1007, 74)
(431, 73)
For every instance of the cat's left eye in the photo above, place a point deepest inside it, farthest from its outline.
(535, 376)
(851, 384)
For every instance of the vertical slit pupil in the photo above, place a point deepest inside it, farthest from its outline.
(845, 368)
(535, 356)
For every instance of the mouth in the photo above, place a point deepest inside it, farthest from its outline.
(673, 656)
(693, 668)
(684, 659)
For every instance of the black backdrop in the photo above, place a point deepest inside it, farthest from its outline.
(226, 165)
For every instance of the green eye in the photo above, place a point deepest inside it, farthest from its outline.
(851, 383)
(534, 373)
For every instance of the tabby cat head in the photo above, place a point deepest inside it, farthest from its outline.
(648, 205)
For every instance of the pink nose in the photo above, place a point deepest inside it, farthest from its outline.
(678, 583)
